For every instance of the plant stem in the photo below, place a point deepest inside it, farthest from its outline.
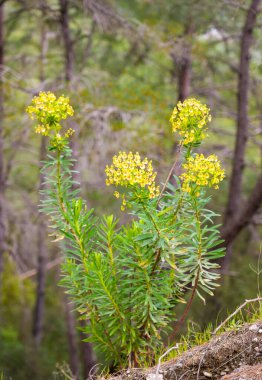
(169, 176)
(63, 208)
(199, 252)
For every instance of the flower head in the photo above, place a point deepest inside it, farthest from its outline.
(49, 110)
(189, 119)
(201, 171)
(128, 170)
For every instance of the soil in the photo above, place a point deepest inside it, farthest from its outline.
(246, 372)
(233, 355)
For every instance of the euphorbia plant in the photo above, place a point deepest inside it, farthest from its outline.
(126, 279)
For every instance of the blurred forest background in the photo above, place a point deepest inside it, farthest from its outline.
(124, 64)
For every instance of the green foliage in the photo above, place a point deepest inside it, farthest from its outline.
(15, 294)
(19, 358)
(127, 279)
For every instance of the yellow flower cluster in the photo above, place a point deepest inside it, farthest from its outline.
(189, 119)
(69, 132)
(128, 170)
(49, 110)
(202, 171)
(42, 129)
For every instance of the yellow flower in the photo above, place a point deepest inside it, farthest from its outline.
(49, 110)
(69, 132)
(201, 171)
(128, 170)
(42, 130)
(116, 194)
(189, 119)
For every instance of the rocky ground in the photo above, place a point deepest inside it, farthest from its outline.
(233, 355)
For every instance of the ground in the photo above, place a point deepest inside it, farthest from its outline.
(232, 355)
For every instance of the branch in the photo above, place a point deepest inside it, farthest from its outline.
(169, 175)
(258, 299)
(106, 17)
(230, 231)
(33, 272)
(189, 303)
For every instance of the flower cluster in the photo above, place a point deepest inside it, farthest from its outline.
(128, 170)
(189, 119)
(202, 171)
(49, 110)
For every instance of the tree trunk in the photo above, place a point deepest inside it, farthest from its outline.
(42, 230)
(182, 69)
(72, 339)
(235, 187)
(236, 181)
(182, 64)
(68, 45)
(2, 174)
(41, 265)
(184, 72)
(251, 206)
(87, 353)
(68, 54)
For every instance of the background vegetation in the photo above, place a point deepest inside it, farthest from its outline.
(125, 64)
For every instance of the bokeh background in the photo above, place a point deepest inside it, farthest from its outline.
(124, 64)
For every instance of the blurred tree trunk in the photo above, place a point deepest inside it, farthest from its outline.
(88, 356)
(41, 264)
(2, 174)
(235, 189)
(181, 57)
(248, 210)
(72, 338)
(182, 71)
(85, 347)
(42, 230)
(184, 66)
(234, 203)
(68, 45)
(68, 67)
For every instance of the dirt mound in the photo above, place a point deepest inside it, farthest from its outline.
(246, 372)
(233, 355)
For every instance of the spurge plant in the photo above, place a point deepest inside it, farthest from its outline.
(127, 279)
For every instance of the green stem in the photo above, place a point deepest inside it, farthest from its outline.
(72, 227)
(59, 184)
(178, 208)
(169, 175)
(151, 218)
(80, 244)
(199, 252)
(158, 257)
(110, 297)
(158, 251)
(112, 260)
(199, 235)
